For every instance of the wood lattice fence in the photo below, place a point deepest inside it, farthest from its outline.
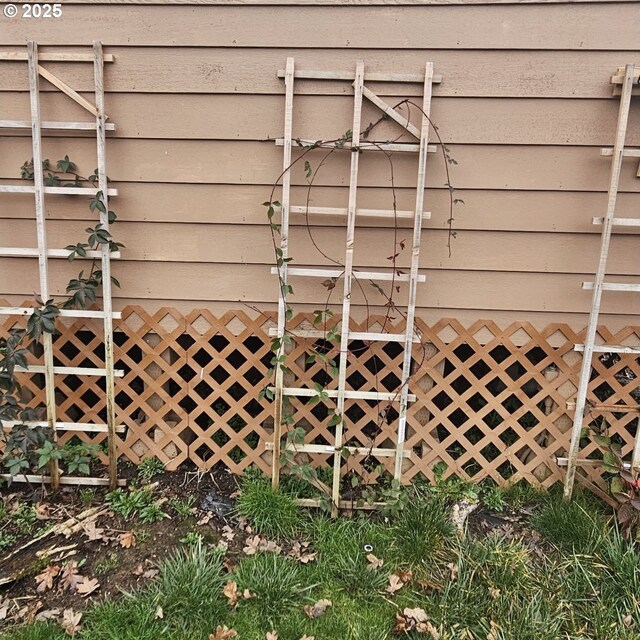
(491, 400)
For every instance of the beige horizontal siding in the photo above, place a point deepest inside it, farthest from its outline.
(610, 26)
(483, 210)
(546, 168)
(461, 121)
(250, 283)
(248, 244)
(472, 73)
(525, 104)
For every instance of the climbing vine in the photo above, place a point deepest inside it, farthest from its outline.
(26, 447)
(325, 350)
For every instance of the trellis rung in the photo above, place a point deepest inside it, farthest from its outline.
(607, 348)
(353, 335)
(71, 371)
(620, 408)
(621, 222)
(369, 76)
(26, 252)
(329, 450)
(336, 273)
(62, 480)
(60, 191)
(627, 153)
(613, 286)
(410, 147)
(75, 126)
(371, 213)
(350, 395)
(586, 462)
(53, 57)
(67, 426)
(64, 313)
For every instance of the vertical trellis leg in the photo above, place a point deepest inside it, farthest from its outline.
(98, 65)
(587, 356)
(415, 260)
(282, 294)
(348, 276)
(38, 179)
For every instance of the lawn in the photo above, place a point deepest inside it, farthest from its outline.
(526, 567)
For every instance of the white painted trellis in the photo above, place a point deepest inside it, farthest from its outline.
(43, 253)
(624, 86)
(402, 396)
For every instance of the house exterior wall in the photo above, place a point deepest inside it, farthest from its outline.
(524, 105)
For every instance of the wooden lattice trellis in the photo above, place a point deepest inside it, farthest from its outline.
(491, 401)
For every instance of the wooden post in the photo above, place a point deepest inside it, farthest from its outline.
(98, 66)
(348, 277)
(38, 180)
(282, 273)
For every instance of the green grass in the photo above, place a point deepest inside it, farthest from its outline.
(577, 525)
(271, 512)
(583, 583)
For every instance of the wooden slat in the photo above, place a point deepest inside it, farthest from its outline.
(84, 427)
(627, 153)
(52, 56)
(309, 74)
(389, 111)
(281, 271)
(599, 286)
(24, 252)
(362, 146)
(65, 88)
(571, 406)
(347, 282)
(330, 450)
(62, 126)
(364, 213)
(109, 357)
(63, 480)
(64, 313)
(348, 395)
(59, 191)
(609, 348)
(71, 371)
(361, 275)
(619, 222)
(38, 189)
(353, 335)
(612, 286)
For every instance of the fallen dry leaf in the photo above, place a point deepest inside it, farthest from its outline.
(127, 539)
(231, 592)
(4, 608)
(70, 577)
(316, 610)
(41, 511)
(453, 570)
(415, 620)
(223, 633)
(46, 578)
(374, 563)
(159, 613)
(251, 546)
(228, 533)
(47, 614)
(87, 586)
(92, 532)
(306, 637)
(246, 594)
(395, 584)
(494, 593)
(138, 571)
(150, 573)
(71, 621)
(494, 631)
(272, 635)
(205, 518)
